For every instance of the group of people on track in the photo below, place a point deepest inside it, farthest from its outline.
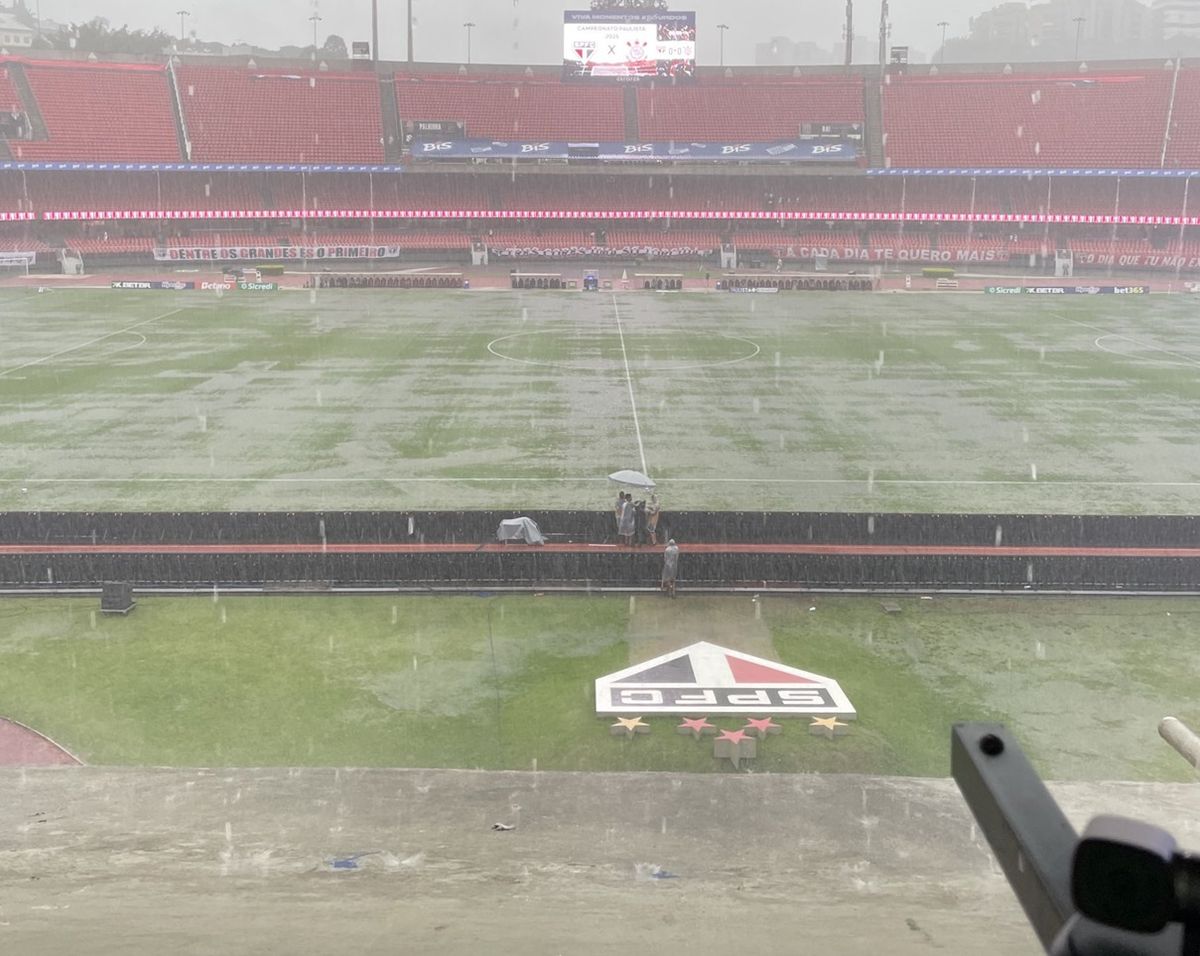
(637, 524)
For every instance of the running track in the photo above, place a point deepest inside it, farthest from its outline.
(838, 550)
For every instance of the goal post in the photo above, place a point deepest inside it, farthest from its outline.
(17, 261)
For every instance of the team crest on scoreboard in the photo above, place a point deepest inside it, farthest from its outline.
(707, 679)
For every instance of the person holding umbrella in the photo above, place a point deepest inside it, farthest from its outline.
(628, 526)
(670, 568)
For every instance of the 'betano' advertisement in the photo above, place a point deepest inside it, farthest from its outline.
(627, 45)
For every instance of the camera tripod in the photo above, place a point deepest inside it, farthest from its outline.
(1123, 888)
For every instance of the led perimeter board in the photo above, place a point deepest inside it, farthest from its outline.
(608, 45)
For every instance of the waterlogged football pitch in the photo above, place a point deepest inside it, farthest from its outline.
(506, 682)
(376, 399)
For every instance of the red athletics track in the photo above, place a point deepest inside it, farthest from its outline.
(841, 550)
(22, 746)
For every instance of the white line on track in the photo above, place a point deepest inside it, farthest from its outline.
(525, 479)
(84, 345)
(637, 426)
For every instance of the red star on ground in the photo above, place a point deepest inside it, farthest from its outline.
(697, 725)
(763, 725)
(737, 736)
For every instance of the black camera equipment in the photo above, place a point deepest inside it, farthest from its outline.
(1122, 889)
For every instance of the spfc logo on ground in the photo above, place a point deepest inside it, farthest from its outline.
(707, 679)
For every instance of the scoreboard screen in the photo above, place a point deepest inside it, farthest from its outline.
(607, 45)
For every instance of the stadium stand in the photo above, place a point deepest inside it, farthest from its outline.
(145, 191)
(1064, 120)
(213, 192)
(753, 111)
(513, 107)
(12, 193)
(272, 116)
(109, 112)
(101, 113)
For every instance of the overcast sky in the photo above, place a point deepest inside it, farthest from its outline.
(516, 31)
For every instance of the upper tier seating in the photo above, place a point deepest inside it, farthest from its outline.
(281, 117)
(1069, 120)
(750, 112)
(101, 113)
(514, 108)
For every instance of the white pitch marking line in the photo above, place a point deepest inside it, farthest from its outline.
(966, 482)
(637, 427)
(651, 368)
(1128, 338)
(84, 345)
(1102, 348)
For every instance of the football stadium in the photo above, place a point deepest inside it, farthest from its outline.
(636, 503)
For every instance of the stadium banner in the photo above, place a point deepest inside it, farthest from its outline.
(77, 167)
(878, 253)
(1158, 260)
(1033, 171)
(17, 216)
(600, 252)
(434, 129)
(1086, 289)
(233, 253)
(1067, 290)
(168, 285)
(257, 286)
(806, 215)
(781, 151)
(628, 45)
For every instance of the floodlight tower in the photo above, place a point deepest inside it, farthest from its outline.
(883, 36)
(410, 32)
(314, 20)
(375, 30)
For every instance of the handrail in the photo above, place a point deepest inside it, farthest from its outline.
(1162, 160)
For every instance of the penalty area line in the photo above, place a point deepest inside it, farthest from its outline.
(84, 345)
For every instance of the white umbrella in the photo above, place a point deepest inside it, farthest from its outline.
(635, 479)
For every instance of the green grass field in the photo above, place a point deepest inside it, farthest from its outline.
(499, 682)
(361, 399)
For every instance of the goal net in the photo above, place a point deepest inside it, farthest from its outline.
(16, 261)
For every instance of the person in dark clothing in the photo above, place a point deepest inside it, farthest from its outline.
(639, 514)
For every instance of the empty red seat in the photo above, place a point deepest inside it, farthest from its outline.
(1107, 120)
(514, 108)
(281, 116)
(749, 111)
(103, 113)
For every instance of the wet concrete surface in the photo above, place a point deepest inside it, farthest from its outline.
(311, 861)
